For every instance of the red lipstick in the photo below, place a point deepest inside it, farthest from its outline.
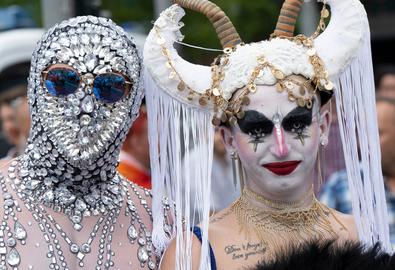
(282, 168)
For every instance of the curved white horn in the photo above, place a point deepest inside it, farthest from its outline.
(340, 42)
(165, 32)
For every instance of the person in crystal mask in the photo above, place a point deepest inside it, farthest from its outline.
(267, 98)
(63, 204)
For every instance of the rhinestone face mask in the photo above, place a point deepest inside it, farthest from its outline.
(75, 137)
(80, 126)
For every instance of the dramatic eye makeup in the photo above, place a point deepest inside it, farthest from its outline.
(256, 125)
(297, 120)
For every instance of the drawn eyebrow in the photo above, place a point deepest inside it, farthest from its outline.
(254, 120)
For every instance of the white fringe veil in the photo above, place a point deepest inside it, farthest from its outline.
(176, 129)
(356, 108)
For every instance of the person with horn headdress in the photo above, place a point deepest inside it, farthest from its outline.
(267, 97)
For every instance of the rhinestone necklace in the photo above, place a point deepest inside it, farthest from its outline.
(53, 233)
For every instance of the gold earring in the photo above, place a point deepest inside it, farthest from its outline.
(319, 171)
(237, 170)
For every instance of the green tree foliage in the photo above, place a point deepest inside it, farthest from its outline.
(140, 11)
(254, 20)
(32, 6)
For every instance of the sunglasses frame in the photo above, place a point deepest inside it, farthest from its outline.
(45, 72)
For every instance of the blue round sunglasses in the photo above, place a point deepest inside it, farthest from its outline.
(62, 80)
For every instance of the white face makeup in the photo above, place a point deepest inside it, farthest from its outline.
(277, 142)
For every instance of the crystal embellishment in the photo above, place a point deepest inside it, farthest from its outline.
(87, 104)
(85, 120)
(142, 255)
(83, 136)
(48, 196)
(91, 61)
(32, 184)
(20, 232)
(132, 233)
(13, 258)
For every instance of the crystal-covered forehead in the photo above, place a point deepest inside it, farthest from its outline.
(96, 43)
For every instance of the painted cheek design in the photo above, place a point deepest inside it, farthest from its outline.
(256, 139)
(301, 133)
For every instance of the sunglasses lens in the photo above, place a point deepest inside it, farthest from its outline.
(109, 87)
(62, 81)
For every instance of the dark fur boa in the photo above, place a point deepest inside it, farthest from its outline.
(330, 256)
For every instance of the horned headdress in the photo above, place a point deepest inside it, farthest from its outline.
(186, 100)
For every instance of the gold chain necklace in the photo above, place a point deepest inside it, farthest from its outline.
(277, 228)
(277, 205)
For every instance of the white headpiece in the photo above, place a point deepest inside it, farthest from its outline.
(183, 97)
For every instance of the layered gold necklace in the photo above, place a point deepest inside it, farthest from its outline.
(276, 223)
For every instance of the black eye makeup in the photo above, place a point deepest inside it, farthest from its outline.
(256, 125)
(297, 120)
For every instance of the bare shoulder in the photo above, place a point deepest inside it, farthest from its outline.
(219, 221)
(168, 261)
(348, 221)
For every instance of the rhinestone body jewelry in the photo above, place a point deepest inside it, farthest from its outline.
(64, 206)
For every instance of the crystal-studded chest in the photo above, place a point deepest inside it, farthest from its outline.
(35, 237)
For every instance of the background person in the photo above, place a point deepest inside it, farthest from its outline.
(336, 193)
(15, 119)
(134, 158)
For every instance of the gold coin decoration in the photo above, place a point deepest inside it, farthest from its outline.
(311, 52)
(203, 101)
(302, 90)
(181, 86)
(232, 109)
(252, 88)
(278, 74)
(301, 102)
(245, 101)
(216, 92)
(233, 121)
(240, 114)
(228, 50)
(279, 87)
(325, 13)
(322, 26)
(329, 85)
(172, 75)
(289, 85)
(291, 97)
